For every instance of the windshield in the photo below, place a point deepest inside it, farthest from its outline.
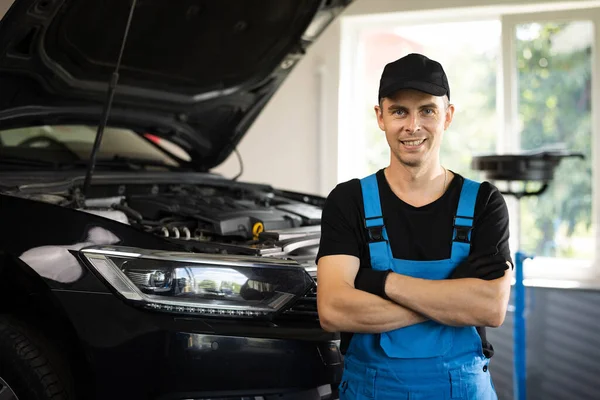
(65, 144)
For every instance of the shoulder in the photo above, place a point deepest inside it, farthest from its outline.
(350, 189)
(344, 200)
(489, 198)
(344, 196)
(344, 189)
(486, 191)
(491, 224)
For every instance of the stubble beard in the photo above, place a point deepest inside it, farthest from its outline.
(407, 161)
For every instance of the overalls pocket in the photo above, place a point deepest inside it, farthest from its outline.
(355, 386)
(473, 384)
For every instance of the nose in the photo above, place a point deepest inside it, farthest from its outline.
(414, 124)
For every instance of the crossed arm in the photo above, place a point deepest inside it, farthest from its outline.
(456, 302)
(342, 308)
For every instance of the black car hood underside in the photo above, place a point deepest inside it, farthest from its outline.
(197, 72)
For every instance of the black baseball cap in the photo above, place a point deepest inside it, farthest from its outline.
(414, 71)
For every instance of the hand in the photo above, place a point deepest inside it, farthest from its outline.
(482, 267)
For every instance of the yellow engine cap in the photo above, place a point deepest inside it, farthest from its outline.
(257, 229)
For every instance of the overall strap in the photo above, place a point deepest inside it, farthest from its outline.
(376, 235)
(372, 206)
(463, 220)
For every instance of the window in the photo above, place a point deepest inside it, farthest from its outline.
(550, 72)
(75, 142)
(520, 82)
(554, 90)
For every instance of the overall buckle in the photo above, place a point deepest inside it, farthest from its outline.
(374, 233)
(462, 231)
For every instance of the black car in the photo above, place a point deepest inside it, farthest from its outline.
(129, 270)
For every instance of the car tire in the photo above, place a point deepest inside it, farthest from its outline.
(30, 364)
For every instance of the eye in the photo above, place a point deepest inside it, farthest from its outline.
(428, 111)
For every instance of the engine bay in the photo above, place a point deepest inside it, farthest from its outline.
(221, 218)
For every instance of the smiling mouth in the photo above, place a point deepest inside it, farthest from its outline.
(413, 143)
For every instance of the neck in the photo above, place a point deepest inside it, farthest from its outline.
(417, 185)
(413, 178)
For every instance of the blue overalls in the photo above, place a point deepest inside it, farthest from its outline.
(427, 360)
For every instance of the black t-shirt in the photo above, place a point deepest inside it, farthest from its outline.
(415, 233)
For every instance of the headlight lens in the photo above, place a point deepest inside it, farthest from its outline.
(200, 283)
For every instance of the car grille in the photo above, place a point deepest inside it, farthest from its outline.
(305, 308)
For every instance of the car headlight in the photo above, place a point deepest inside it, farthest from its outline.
(200, 284)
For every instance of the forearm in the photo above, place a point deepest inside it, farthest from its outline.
(456, 302)
(351, 310)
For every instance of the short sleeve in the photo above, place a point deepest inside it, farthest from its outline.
(340, 222)
(491, 229)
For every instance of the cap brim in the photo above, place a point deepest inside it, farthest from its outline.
(430, 88)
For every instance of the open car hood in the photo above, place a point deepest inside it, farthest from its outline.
(195, 72)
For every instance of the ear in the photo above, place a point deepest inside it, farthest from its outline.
(449, 116)
(379, 115)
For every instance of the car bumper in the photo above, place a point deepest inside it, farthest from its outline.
(198, 366)
(134, 353)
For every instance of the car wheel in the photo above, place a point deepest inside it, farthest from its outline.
(30, 367)
(6, 392)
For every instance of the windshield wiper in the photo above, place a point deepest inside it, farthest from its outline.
(124, 162)
(23, 162)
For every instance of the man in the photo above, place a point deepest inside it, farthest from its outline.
(414, 257)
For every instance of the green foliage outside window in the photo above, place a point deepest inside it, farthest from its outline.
(555, 109)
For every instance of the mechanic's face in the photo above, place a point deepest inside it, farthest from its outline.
(414, 123)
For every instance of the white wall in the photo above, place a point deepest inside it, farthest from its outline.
(4, 5)
(295, 138)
